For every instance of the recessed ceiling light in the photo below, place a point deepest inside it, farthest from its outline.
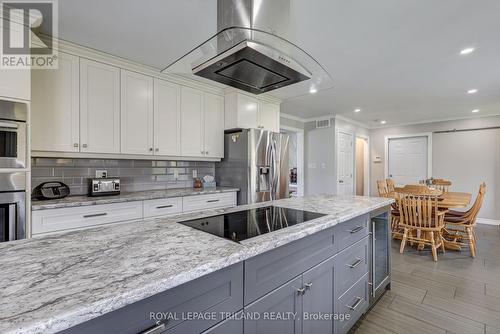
(475, 110)
(313, 90)
(466, 51)
(383, 122)
(472, 91)
(357, 110)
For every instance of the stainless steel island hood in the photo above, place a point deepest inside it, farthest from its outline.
(252, 52)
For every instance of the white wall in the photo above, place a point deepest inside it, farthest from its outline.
(466, 158)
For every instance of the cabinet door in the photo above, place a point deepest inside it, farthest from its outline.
(99, 107)
(136, 113)
(214, 126)
(192, 123)
(284, 301)
(248, 112)
(55, 107)
(14, 83)
(319, 297)
(269, 116)
(167, 118)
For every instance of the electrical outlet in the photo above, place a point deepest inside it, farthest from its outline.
(176, 174)
(195, 173)
(101, 173)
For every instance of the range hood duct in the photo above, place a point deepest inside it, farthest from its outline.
(251, 52)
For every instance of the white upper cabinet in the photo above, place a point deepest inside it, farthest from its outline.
(14, 84)
(136, 113)
(192, 129)
(269, 116)
(99, 107)
(248, 112)
(214, 126)
(167, 118)
(55, 107)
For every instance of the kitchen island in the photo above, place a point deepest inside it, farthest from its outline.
(94, 279)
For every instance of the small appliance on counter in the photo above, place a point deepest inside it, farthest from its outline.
(50, 190)
(104, 187)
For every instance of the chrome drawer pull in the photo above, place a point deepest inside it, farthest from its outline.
(357, 229)
(164, 206)
(356, 304)
(355, 264)
(213, 200)
(159, 328)
(96, 215)
(301, 291)
(308, 286)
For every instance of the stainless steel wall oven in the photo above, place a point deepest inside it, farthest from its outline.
(13, 134)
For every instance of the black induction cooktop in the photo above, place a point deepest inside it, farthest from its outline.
(241, 225)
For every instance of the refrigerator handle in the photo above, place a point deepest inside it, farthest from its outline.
(275, 171)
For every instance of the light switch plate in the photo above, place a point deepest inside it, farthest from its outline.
(101, 173)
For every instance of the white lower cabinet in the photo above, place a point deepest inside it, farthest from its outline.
(46, 221)
(162, 207)
(55, 220)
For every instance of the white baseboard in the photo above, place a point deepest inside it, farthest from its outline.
(487, 221)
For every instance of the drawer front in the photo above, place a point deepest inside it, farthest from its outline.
(352, 264)
(162, 207)
(354, 303)
(218, 293)
(46, 221)
(210, 201)
(272, 269)
(352, 231)
(230, 326)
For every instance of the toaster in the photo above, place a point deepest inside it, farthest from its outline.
(104, 187)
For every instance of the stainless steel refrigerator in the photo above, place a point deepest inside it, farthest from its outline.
(256, 161)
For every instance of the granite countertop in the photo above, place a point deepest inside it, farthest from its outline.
(55, 282)
(74, 201)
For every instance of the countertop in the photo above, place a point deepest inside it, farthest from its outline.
(74, 201)
(55, 282)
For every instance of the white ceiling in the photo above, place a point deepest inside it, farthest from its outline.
(397, 60)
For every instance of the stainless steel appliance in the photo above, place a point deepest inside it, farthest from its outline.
(256, 161)
(242, 225)
(104, 187)
(12, 206)
(380, 262)
(13, 135)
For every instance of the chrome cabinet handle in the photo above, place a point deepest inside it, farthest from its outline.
(150, 149)
(157, 329)
(355, 264)
(308, 286)
(301, 291)
(164, 206)
(356, 304)
(157, 150)
(202, 152)
(75, 145)
(84, 145)
(213, 200)
(356, 229)
(206, 152)
(341, 181)
(95, 215)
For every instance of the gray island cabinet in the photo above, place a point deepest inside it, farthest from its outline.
(322, 283)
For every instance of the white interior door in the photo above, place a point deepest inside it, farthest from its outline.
(345, 165)
(407, 159)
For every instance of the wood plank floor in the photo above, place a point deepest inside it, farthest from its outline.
(458, 294)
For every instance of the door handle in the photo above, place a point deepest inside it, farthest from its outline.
(354, 306)
(164, 206)
(356, 229)
(96, 215)
(157, 329)
(355, 264)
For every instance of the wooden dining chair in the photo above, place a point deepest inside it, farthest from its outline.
(390, 185)
(422, 222)
(382, 188)
(441, 184)
(460, 226)
(418, 189)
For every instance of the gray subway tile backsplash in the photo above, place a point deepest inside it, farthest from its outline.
(135, 175)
